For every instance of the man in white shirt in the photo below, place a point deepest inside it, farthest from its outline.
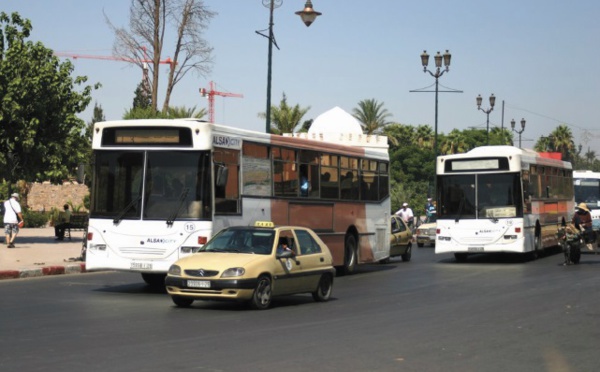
(406, 214)
(12, 216)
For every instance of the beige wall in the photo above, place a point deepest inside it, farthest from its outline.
(44, 196)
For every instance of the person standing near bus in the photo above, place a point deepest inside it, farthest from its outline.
(406, 214)
(582, 219)
(12, 216)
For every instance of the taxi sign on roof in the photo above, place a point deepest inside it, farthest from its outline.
(264, 224)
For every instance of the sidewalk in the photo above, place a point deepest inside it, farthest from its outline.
(36, 253)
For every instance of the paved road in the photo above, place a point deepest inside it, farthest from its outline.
(494, 313)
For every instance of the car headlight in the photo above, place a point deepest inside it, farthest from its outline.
(174, 270)
(234, 271)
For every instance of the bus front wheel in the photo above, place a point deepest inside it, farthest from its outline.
(350, 254)
(154, 280)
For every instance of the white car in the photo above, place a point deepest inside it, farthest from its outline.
(426, 231)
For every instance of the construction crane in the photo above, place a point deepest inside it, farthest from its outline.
(145, 77)
(211, 93)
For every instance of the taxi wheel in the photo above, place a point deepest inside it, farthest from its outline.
(261, 299)
(324, 289)
(420, 245)
(182, 301)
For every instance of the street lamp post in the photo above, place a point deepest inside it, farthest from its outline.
(487, 113)
(436, 74)
(308, 15)
(512, 125)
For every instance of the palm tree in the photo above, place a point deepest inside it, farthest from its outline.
(424, 136)
(454, 143)
(284, 119)
(372, 116)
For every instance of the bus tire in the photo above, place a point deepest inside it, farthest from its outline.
(350, 255)
(261, 298)
(406, 256)
(460, 257)
(182, 301)
(154, 280)
(324, 289)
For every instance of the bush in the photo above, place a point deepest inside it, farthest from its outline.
(35, 219)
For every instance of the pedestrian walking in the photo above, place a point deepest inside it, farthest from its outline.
(12, 218)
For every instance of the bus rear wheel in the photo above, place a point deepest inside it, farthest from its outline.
(350, 255)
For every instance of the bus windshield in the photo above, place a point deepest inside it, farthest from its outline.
(587, 190)
(474, 196)
(152, 185)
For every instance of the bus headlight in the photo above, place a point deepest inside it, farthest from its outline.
(175, 270)
(510, 237)
(234, 271)
(98, 247)
(188, 250)
(444, 238)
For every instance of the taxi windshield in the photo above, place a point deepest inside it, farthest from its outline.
(234, 240)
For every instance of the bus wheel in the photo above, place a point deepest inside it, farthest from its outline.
(350, 256)
(154, 280)
(324, 289)
(537, 247)
(460, 257)
(406, 256)
(182, 301)
(261, 299)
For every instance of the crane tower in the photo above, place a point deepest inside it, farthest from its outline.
(211, 93)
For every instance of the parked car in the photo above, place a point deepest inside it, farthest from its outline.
(254, 264)
(427, 230)
(400, 239)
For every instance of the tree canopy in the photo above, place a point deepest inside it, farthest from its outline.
(41, 138)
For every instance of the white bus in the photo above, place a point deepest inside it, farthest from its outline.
(161, 188)
(501, 199)
(587, 190)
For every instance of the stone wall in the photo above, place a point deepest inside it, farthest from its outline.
(45, 196)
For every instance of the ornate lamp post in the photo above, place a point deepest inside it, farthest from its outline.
(436, 74)
(487, 112)
(308, 15)
(512, 125)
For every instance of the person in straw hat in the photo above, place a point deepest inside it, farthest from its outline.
(582, 219)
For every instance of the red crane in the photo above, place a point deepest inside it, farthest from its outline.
(145, 62)
(211, 93)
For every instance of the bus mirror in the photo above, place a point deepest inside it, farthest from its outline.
(222, 172)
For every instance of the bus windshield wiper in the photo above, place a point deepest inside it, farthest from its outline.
(461, 206)
(119, 217)
(176, 212)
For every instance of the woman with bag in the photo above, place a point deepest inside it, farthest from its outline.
(13, 219)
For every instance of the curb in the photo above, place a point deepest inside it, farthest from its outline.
(42, 271)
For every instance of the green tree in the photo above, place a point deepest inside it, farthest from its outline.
(40, 134)
(372, 116)
(142, 97)
(284, 118)
(454, 143)
(176, 112)
(560, 140)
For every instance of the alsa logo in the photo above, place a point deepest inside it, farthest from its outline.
(160, 241)
(224, 141)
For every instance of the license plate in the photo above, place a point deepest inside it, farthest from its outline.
(198, 283)
(141, 265)
(475, 249)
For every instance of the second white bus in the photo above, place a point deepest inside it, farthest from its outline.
(501, 199)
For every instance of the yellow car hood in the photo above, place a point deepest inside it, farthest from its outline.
(219, 261)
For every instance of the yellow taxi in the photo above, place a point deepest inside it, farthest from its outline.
(254, 264)
(400, 239)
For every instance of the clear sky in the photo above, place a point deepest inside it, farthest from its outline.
(535, 56)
